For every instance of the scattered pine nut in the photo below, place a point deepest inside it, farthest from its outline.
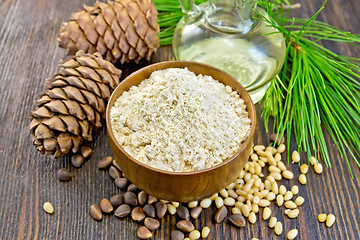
(280, 200)
(219, 202)
(295, 156)
(322, 217)
(330, 219)
(171, 209)
(288, 174)
(318, 168)
(302, 179)
(288, 195)
(194, 235)
(272, 222)
(290, 205)
(299, 201)
(205, 232)
(192, 204)
(293, 213)
(312, 160)
(228, 202)
(281, 148)
(48, 207)
(292, 234)
(295, 189)
(236, 210)
(278, 228)
(252, 217)
(224, 193)
(282, 189)
(266, 213)
(304, 168)
(206, 202)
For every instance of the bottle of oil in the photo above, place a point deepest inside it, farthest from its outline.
(229, 34)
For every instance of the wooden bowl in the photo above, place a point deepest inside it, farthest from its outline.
(182, 186)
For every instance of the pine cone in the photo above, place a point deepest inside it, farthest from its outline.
(123, 30)
(73, 104)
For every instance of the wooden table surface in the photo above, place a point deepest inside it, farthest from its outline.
(29, 53)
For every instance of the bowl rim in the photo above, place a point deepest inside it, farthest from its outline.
(165, 172)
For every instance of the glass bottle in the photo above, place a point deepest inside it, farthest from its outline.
(229, 35)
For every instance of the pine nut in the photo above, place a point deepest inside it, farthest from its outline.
(292, 234)
(293, 213)
(312, 160)
(205, 232)
(282, 189)
(290, 205)
(330, 219)
(295, 156)
(259, 148)
(299, 201)
(245, 210)
(270, 196)
(192, 204)
(231, 186)
(281, 166)
(275, 188)
(241, 174)
(278, 228)
(270, 159)
(175, 204)
(171, 209)
(205, 203)
(254, 208)
(212, 198)
(266, 213)
(274, 169)
(304, 168)
(241, 199)
(272, 222)
(224, 193)
(288, 195)
(219, 202)
(252, 217)
(318, 168)
(194, 235)
(279, 200)
(277, 158)
(235, 210)
(229, 201)
(232, 193)
(295, 189)
(281, 148)
(302, 179)
(256, 199)
(239, 204)
(288, 174)
(267, 185)
(264, 203)
(277, 176)
(48, 207)
(254, 157)
(322, 217)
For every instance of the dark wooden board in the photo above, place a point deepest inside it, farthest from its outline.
(29, 54)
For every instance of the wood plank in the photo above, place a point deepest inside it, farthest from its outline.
(29, 54)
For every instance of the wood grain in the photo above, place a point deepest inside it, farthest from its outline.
(29, 54)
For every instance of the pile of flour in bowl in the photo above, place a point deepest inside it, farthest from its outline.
(179, 121)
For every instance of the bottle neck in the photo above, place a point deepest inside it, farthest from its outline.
(231, 15)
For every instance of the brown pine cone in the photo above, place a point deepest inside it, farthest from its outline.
(123, 30)
(73, 104)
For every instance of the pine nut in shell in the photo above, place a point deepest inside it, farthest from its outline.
(151, 223)
(95, 212)
(330, 220)
(122, 211)
(143, 233)
(185, 226)
(177, 235)
(220, 214)
(292, 234)
(195, 212)
(278, 228)
(137, 214)
(237, 220)
(106, 206)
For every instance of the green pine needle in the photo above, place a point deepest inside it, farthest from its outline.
(315, 89)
